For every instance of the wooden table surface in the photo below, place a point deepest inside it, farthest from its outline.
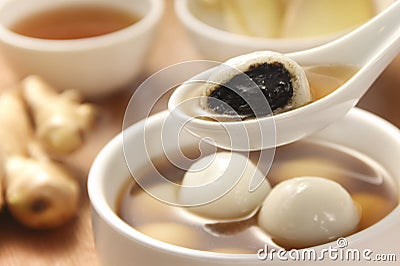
(73, 243)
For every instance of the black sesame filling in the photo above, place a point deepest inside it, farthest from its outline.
(240, 96)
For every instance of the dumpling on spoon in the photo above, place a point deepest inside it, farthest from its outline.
(254, 85)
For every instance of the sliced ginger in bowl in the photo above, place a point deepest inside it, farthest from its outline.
(307, 18)
(284, 18)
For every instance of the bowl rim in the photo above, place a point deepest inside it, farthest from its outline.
(144, 24)
(107, 214)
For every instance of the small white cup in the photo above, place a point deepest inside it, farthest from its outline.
(118, 243)
(96, 66)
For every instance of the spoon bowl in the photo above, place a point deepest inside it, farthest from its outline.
(371, 47)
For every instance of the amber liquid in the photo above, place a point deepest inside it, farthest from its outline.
(325, 79)
(371, 187)
(74, 22)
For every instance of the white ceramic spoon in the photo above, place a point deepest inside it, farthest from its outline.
(372, 47)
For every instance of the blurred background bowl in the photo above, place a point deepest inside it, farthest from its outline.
(212, 27)
(96, 66)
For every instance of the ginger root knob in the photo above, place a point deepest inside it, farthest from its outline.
(61, 119)
(40, 194)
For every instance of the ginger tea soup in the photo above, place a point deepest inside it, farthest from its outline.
(74, 21)
(372, 195)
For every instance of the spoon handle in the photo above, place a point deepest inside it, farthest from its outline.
(357, 47)
(380, 58)
(378, 63)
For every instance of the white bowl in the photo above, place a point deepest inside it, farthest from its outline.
(219, 45)
(95, 66)
(118, 243)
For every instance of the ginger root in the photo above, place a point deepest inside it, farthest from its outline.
(15, 128)
(38, 192)
(60, 119)
(13, 136)
(1, 185)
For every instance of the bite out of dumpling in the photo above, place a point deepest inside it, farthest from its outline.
(308, 211)
(254, 85)
(226, 179)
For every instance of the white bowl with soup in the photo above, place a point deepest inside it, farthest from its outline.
(93, 46)
(359, 153)
(222, 29)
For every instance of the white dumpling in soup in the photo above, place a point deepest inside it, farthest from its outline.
(172, 233)
(228, 177)
(308, 211)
